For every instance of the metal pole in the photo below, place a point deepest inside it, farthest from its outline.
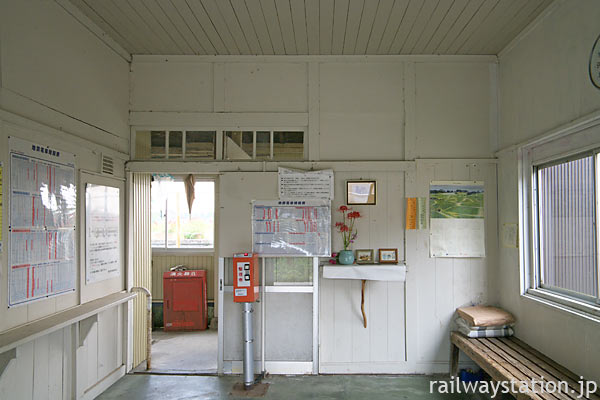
(248, 345)
(263, 305)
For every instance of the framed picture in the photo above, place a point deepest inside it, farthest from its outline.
(361, 192)
(364, 256)
(388, 256)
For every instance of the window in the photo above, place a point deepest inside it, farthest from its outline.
(173, 226)
(175, 145)
(263, 145)
(565, 226)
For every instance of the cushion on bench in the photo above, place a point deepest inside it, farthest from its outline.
(485, 316)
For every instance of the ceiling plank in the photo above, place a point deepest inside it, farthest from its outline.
(406, 27)
(155, 26)
(235, 28)
(156, 42)
(381, 19)
(491, 26)
(355, 11)
(478, 19)
(194, 26)
(299, 22)
(156, 9)
(104, 25)
(182, 27)
(286, 25)
(340, 19)
(423, 18)
(525, 16)
(266, 24)
(205, 23)
(432, 25)
(395, 18)
(366, 25)
(442, 29)
(242, 16)
(312, 25)
(222, 27)
(463, 19)
(326, 25)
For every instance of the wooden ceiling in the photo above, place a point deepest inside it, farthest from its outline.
(319, 27)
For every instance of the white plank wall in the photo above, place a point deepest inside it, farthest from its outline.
(437, 286)
(345, 345)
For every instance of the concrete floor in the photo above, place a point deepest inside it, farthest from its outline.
(184, 352)
(330, 387)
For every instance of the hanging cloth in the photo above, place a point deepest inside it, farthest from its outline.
(189, 182)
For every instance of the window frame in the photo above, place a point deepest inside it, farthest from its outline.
(564, 144)
(219, 141)
(191, 250)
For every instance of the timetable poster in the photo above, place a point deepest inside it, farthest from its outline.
(292, 227)
(43, 199)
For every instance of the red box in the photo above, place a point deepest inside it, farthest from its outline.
(245, 277)
(185, 303)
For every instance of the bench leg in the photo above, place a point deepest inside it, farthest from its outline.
(453, 360)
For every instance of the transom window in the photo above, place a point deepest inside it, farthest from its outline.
(173, 145)
(263, 145)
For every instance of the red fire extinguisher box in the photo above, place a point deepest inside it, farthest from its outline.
(185, 303)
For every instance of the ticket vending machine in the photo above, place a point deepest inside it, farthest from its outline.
(245, 291)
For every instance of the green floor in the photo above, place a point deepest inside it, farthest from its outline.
(360, 387)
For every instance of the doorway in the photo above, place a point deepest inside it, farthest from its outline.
(182, 221)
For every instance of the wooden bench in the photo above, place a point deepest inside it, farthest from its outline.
(510, 359)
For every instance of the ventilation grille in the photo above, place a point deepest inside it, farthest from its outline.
(107, 165)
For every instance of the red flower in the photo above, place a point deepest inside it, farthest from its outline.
(354, 214)
(344, 228)
(343, 208)
(338, 224)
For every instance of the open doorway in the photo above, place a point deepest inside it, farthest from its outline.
(185, 338)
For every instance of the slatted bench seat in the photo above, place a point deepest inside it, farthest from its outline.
(510, 359)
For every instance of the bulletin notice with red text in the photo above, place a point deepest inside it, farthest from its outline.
(43, 201)
(292, 227)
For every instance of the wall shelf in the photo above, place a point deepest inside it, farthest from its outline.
(369, 272)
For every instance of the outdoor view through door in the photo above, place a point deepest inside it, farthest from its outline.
(183, 232)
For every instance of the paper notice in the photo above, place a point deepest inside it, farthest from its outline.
(411, 213)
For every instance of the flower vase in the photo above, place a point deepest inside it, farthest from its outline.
(346, 257)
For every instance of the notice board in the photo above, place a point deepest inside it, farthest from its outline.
(292, 227)
(102, 233)
(43, 201)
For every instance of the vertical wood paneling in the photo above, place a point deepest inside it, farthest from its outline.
(344, 341)
(142, 259)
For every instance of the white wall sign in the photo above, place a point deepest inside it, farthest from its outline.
(295, 184)
(102, 234)
(292, 227)
(43, 202)
(457, 219)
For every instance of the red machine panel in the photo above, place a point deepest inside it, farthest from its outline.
(245, 277)
(185, 303)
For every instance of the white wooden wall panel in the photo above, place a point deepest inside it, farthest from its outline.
(530, 107)
(172, 86)
(273, 87)
(452, 110)
(345, 345)
(42, 64)
(356, 100)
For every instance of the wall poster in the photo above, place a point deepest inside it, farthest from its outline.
(292, 227)
(456, 219)
(298, 184)
(43, 201)
(102, 233)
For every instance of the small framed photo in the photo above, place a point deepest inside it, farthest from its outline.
(361, 192)
(364, 256)
(388, 256)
